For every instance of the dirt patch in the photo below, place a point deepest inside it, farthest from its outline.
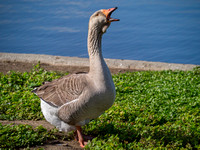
(6, 66)
(34, 124)
(50, 145)
(26, 67)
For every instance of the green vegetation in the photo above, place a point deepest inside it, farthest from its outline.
(17, 100)
(153, 109)
(23, 136)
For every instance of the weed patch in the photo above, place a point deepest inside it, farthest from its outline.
(23, 136)
(17, 100)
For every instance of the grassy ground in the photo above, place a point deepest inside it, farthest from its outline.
(153, 109)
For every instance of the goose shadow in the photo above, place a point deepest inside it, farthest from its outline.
(104, 131)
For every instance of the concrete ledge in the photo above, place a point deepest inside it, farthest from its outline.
(84, 62)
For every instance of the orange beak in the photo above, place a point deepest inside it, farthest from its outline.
(108, 12)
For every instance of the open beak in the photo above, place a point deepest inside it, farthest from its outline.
(108, 12)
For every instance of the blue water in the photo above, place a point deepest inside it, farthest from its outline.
(150, 30)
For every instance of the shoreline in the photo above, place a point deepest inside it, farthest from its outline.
(25, 62)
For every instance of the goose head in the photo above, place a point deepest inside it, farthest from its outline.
(101, 19)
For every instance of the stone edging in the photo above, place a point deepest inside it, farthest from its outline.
(84, 62)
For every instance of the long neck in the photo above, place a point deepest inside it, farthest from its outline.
(94, 49)
(99, 71)
(94, 42)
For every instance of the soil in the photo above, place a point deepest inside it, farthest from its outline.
(6, 66)
(26, 67)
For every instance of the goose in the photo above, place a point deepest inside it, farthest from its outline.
(73, 100)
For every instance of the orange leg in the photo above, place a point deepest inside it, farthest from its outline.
(80, 137)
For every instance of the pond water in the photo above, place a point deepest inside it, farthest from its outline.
(150, 30)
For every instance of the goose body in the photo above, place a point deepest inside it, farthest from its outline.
(73, 100)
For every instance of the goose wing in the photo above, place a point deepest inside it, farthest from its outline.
(63, 90)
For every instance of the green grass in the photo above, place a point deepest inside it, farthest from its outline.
(153, 109)
(17, 100)
(16, 136)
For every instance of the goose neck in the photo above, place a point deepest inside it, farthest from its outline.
(94, 42)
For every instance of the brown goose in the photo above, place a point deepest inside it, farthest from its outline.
(72, 101)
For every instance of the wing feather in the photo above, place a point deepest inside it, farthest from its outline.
(63, 90)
